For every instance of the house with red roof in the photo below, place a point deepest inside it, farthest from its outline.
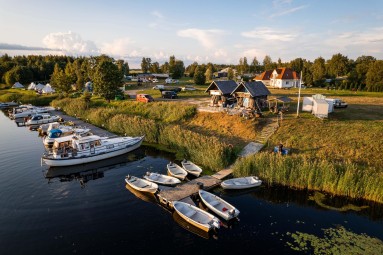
(279, 78)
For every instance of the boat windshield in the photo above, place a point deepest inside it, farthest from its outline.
(54, 134)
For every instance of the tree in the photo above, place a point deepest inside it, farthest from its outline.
(268, 63)
(107, 80)
(318, 70)
(230, 74)
(145, 64)
(254, 66)
(155, 68)
(21, 74)
(172, 64)
(374, 76)
(209, 73)
(191, 68)
(178, 69)
(59, 80)
(199, 76)
(337, 65)
(297, 64)
(165, 67)
(363, 63)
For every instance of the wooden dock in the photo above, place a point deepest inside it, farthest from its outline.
(184, 191)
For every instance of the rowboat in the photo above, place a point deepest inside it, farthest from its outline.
(141, 184)
(161, 179)
(196, 216)
(218, 205)
(74, 150)
(241, 183)
(176, 171)
(191, 168)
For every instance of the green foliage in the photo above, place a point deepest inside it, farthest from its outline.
(338, 65)
(374, 76)
(26, 97)
(336, 241)
(199, 76)
(318, 70)
(107, 80)
(20, 74)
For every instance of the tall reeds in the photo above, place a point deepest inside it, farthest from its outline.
(305, 172)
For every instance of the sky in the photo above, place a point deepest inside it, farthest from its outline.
(205, 31)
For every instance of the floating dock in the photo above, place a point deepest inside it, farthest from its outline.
(184, 191)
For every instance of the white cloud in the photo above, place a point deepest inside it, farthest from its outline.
(288, 11)
(207, 37)
(118, 47)
(220, 53)
(269, 34)
(157, 14)
(70, 43)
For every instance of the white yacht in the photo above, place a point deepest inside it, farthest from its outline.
(68, 151)
(64, 131)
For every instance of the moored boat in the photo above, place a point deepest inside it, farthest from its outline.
(218, 205)
(176, 171)
(73, 150)
(141, 184)
(241, 183)
(64, 131)
(191, 168)
(196, 216)
(40, 119)
(161, 179)
(24, 111)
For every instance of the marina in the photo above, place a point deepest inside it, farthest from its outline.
(69, 204)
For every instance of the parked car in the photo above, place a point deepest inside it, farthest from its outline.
(170, 88)
(144, 98)
(170, 80)
(339, 103)
(169, 94)
(155, 80)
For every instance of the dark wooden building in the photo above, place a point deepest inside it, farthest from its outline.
(221, 92)
(251, 95)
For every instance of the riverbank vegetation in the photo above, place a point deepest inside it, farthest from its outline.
(25, 97)
(340, 155)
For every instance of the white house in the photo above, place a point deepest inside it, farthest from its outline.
(279, 78)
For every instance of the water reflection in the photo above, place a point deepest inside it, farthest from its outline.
(145, 196)
(92, 171)
(191, 228)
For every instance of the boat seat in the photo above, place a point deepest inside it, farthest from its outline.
(145, 186)
(237, 183)
(214, 203)
(189, 214)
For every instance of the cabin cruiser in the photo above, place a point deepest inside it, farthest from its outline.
(74, 150)
(39, 119)
(24, 111)
(62, 132)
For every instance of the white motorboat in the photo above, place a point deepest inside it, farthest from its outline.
(176, 171)
(241, 183)
(24, 111)
(39, 119)
(218, 205)
(161, 179)
(45, 128)
(191, 168)
(73, 150)
(141, 184)
(64, 131)
(196, 216)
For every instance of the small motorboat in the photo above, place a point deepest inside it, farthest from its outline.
(191, 168)
(39, 119)
(196, 216)
(218, 205)
(161, 179)
(241, 183)
(49, 139)
(141, 184)
(176, 171)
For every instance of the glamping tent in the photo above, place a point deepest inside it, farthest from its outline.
(307, 105)
(18, 85)
(48, 89)
(32, 86)
(320, 108)
(39, 87)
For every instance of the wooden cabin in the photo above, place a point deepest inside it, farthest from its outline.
(251, 95)
(221, 92)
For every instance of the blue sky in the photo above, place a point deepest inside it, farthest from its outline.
(202, 31)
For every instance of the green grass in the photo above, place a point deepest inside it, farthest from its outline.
(25, 97)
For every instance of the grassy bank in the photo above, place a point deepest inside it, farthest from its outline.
(340, 155)
(25, 97)
(160, 122)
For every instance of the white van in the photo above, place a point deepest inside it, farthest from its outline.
(159, 87)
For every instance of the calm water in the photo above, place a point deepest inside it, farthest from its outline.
(89, 210)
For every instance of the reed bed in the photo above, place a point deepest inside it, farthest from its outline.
(305, 172)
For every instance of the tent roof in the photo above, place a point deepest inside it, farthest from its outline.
(18, 85)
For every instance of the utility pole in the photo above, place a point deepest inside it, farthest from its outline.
(299, 94)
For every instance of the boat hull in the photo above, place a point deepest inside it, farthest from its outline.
(221, 207)
(88, 159)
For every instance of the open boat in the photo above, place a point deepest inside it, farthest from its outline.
(73, 150)
(191, 168)
(241, 183)
(161, 179)
(141, 184)
(176, 171)
(196, 216)
(64, 131)
(218, 205)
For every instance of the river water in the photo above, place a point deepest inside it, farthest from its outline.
(89, 210)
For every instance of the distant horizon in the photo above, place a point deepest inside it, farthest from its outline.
(201, 31)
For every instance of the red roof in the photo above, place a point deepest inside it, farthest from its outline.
(265, 76)
(286, 74)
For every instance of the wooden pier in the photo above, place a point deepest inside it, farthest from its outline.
(184, 191)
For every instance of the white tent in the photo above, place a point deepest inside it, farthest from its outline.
(39, 86)
(18, 85)
(48, 89)
(32, 86)
(307, 104)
